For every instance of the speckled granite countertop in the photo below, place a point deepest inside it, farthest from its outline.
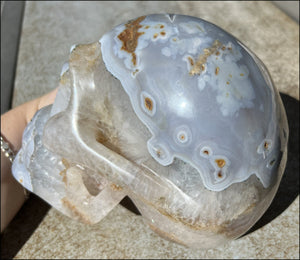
(50, 28)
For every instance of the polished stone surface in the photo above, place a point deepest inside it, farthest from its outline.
(50, 29)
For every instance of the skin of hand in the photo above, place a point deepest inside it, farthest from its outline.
(13, 124)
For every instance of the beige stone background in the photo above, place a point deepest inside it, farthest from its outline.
(49, 30)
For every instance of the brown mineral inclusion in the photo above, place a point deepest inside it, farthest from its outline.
(130, 36)
(148, 104)
(220, 162)
(199, 66)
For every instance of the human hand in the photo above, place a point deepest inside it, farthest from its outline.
(15, 120)
(13, 124)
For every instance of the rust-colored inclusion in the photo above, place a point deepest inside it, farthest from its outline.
(220, 175)
(202, 59)
(63, 173)
(158, 153)
(65, 163)
(191, 60)
(266, 145)
(206, 152)
(107, 135)
(115, 187)
(182, 137)
(129, 37)
(217, 70)
(220, 162)
(148, 103)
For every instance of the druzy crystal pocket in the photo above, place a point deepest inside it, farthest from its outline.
(175, 113)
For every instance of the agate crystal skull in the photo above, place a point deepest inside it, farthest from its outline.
(171, 111)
